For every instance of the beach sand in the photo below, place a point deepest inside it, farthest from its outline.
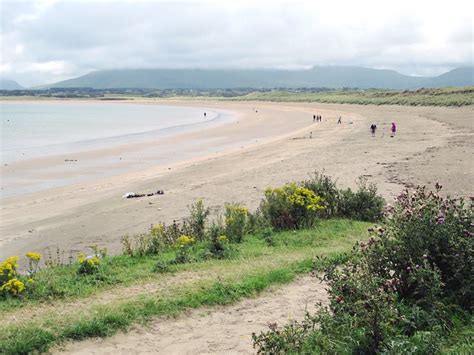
(267, 148)
(217, 330)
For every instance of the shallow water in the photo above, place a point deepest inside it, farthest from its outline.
(32, 131)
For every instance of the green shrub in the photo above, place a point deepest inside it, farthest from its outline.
(161, 267)
(325, 187)
(184, 245)
(363, 205)
(197, 219)
(427, 230)
(88, 265)
(398, 291)
(290, 207)
(219, 245)
(267, 235)
(236, 217)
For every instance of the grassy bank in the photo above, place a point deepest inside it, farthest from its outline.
(129, 290)
(447, 97)
(422, 97)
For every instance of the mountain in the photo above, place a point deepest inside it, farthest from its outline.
(6, 84)
(321, 76)
(456, 77)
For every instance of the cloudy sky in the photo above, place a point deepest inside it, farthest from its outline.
(46, 41)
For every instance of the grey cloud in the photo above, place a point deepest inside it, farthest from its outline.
(77, 37)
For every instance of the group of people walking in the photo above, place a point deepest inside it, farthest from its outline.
(317, 118)
(373, 126)
(393, 129)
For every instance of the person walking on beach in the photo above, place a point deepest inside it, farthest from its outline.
(314, 118)
(373, 128)
(205, 114)
(339, 121)
(320, 118)
(393, 129)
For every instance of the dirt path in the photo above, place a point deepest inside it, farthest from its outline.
(164, 285)
(225, 330)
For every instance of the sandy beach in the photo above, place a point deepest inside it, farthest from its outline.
(259, 149)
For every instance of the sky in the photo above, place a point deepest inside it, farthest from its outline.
(45, 41)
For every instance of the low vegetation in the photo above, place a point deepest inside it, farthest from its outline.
(405, 288)
(421, 97)
(447, 96)
(408, 289)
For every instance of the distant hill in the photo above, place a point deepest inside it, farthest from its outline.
(6, 84)
(328, 76)
(456, 77)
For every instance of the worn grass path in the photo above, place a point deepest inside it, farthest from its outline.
(40, 324)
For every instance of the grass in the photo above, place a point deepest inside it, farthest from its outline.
(108, 319)
(453, 96)
(63, 282)
(422, 97)
(449, 96)
(72, 307)
(461, 340)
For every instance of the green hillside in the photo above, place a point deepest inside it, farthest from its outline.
(330, 77)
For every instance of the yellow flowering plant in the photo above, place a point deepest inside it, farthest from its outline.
(184, 241)
(13, 287)
(10, 284)
(88, 264)
(290, 206)
(183, 244)
(8, 269)
(236, 219)
(33, 259)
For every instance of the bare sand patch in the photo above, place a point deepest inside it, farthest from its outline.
(222, 330)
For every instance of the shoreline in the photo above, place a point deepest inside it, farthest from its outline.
(76, 216)
(63, 164)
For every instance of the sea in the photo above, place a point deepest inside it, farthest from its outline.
(39, 129)
(36, 130)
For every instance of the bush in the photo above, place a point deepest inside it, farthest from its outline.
(183, 247)
(10, 284)
(197, 219)
(161, 267)
(363, 205)
(290, 207)
(427, 230)
(219, 244)
(236, 217)
(267, 235)
(88, 265)
(398, 291)
(325, 187)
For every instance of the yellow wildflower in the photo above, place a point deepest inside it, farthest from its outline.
(33, 256)
(184, 241)
(13, 287)
(8, 267)
(223, 239)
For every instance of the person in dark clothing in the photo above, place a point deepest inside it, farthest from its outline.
(373, 128)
